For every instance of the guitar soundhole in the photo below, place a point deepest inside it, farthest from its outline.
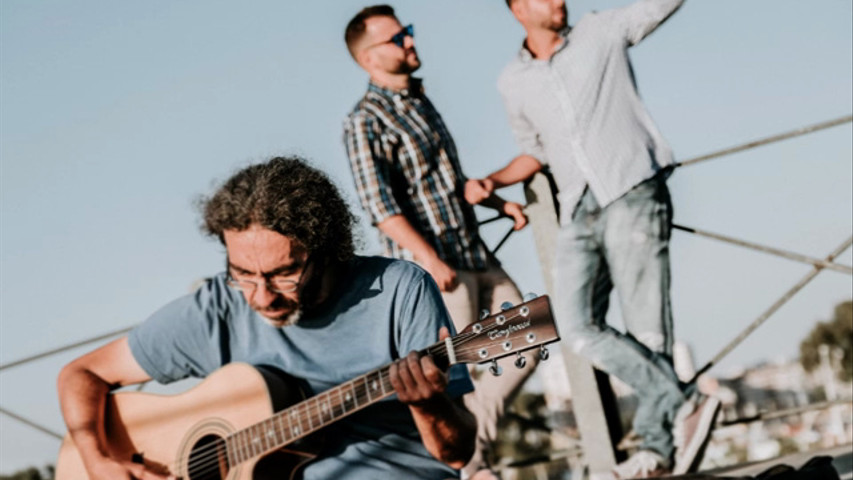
(208, 460)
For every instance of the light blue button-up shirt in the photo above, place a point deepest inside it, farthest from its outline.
(579, 111)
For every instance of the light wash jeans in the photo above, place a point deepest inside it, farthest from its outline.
(624, 245)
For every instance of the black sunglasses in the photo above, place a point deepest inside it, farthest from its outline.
(399, 38)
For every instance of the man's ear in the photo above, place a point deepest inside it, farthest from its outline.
(519, 10)
(364, 58)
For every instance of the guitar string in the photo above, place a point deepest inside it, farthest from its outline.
(209, 456)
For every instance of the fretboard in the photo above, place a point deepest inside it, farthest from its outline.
(310, 415)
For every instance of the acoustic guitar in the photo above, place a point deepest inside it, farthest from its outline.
(240, 417)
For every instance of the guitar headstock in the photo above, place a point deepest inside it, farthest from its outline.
(514, 329)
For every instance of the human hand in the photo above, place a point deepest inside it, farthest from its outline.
(442, 273)
(417, 379)
(516, 212)
(477, 190)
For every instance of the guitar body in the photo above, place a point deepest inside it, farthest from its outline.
(168, 433)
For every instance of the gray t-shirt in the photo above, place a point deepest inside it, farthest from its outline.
(381, 310)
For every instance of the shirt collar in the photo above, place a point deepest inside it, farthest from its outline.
(416, 88)
(526, 55)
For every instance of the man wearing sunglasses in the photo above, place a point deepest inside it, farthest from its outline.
(410, 183)
(294, 296)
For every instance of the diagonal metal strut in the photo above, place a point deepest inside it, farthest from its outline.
(773, 308)
(767, 140)
(773, 251)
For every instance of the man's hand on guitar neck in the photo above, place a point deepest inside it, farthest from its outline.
(417, 379)
(447, 428)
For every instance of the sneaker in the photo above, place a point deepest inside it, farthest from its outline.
(694, 423)
(643, 464)
(678, 423)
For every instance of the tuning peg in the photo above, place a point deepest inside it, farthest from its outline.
(484, 313)
(520, 361)
(495, 369)
(506, 305)
(530, 296)
(544, 353)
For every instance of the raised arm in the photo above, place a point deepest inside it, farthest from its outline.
(641, 18)
(83, 386)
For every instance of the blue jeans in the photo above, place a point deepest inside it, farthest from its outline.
(623, 245)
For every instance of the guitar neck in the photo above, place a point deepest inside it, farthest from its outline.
(514, 330)
(314, 413)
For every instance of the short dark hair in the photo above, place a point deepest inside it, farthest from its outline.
(356, 27)
(509, 3)
(288, 196)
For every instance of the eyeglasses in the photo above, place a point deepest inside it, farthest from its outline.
(399, 38)
(274, 283)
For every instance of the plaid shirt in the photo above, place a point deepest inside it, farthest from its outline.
(404, 162)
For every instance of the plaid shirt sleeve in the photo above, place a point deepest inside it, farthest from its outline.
(370, 161)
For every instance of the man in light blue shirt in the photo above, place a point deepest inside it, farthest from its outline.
(573, 106)
(295, 297)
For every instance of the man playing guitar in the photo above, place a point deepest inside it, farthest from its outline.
(295, 297)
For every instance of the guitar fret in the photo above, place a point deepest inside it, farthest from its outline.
(245, 445)
(305, 415)
(386, 382)
(319, 416)
(366, 389)
(281, 428)
(339, 403)
(238, 454)
(279, 439)
(317, 410)
(269, 439)
(327, 407)
(229, 452)
(257, 441)
(294, 415)
(350, 395)
(253, 440)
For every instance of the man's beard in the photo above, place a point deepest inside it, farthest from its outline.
(557, 25)
(410, 66)
(288, 320)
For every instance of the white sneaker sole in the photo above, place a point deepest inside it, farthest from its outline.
(698, 442)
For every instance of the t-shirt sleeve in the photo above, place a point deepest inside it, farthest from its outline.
(184, 338)
(422, 314)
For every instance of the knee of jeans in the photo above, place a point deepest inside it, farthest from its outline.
(653, 340)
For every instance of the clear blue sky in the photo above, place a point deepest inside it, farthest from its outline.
(115, 116)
